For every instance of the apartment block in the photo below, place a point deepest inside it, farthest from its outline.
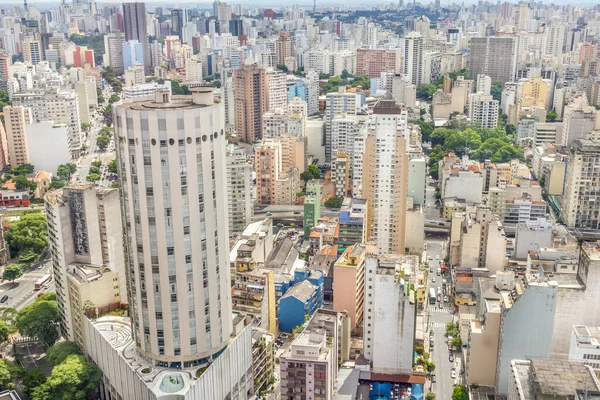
(353, 223)
(493, 56)
(312, 205)
(372, 62)
(239, 189)
(484, 110)
(253, 293)
(340, 174)
(585, 346)
(251, 94)
(16, 120)
(349, 272)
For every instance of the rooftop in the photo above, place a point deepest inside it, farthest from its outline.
(302, 291)
(561, 378)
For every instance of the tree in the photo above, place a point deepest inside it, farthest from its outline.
(22, 170)
(73, 379)
(21, 182)
(462, 142)
(47, 297)
(551, 116)
(334, 202)
(283, 67)
(92, 178)
(112, 166)
(496, 90)
(427, 129)
(40, 320)
(3, 331)
(506, 153)
(60, 351)
(30, 232)
(65, 171)
(460, 393)
(12, 273)
(8, 373)
(85, 126)
(33, 379)
(103, 141)
(316, 172)
(57, 183)
(430, 396)
(456, 343)
(113, 98)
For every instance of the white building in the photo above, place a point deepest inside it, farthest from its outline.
(172, 164)
(390, 311)
(466, 185)
(484, 84)
(413, 57)
(193, 69)
(484, 109)
(144, 90)
(16, 120)
(532, 235)
(48, 145)
(417, 171)
(239, 189)
(59, 107)
(277, 90)
(135, 75)
(585, 346)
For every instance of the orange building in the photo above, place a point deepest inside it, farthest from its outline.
(372, 62)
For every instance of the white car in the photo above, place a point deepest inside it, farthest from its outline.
(453, 374)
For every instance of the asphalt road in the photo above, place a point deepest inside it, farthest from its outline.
(22, 293)
(431, 210)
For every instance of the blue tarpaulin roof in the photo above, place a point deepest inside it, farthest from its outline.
(381, 391)
(416, 392)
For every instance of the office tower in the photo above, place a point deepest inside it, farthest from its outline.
(484, 109)
(178, 21)
(16, 118)
(582, 183)
(250, 101)
(134, 22)
(59, 107)
(113, 52)
(372, 62)
(413, 57)
(32, 51)
(521, 15)
(133, 53)
(239, 189)
(385, 177)
(555, 39)
(84, 225)
(493, 56)
(171, 154)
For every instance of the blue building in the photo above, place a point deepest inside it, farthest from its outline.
(133, 53)
(299, 301)
(298, 89)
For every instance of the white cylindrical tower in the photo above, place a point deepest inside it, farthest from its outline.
(172, 167)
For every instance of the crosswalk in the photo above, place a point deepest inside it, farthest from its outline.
(437, 310)
(437, 324)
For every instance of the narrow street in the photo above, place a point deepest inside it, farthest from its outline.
(21, 293)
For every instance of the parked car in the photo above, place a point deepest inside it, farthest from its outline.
(4, 299)
(284, 336)
(433, 279)
(446, 299)
(431, 270)
(433, 378)
(451, 357)
(453, 374)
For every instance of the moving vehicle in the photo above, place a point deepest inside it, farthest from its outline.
(431, 296)
(433, 279)
(42, 281)
(431, 270)
(445, 299)
(439, 272)
(453, 374)
(441, 305)
(4, 299)
(439, 297)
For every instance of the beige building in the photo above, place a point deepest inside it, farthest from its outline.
(250, 101)
(16, 119)
(349, 273)
(293, 152)
(92, 290)
(340, 174)
(287, 187)
(254, 294)
(84, 225)
(385, 177)
(267, 166)
(263, 358)
(482, 355)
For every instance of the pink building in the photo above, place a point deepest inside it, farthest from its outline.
(349, 283)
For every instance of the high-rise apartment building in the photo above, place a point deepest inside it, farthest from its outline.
(251, 92)
(284, 48)
(59, 107)
(493, 56)
(133, 53)
(483, 109)
(372, 62)
(385, 177)
(171, 157)
(239, 189)
(84, 224)
(555, 39)
(580, 208)
(113, 51)
(134, 22)
(267, 166)
(338, 104)
(312, 206)
(277, 89)
(413, 57)
(16, 118)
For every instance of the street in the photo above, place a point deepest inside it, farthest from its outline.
(21, 294)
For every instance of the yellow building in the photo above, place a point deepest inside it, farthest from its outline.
(253, 293)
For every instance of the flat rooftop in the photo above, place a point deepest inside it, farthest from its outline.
(560, 378)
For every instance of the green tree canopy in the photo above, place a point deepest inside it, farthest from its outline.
(102, 141)
(85, 126)
(4, 330)
(57, 183)
(12, 272)
(73, 379)
(65, 171)
(460, 393)
(551, 116)
(430, 396)
(21, 182)
(32, 379)
(60, 351)
(40, 320)
(24, 169)
(112, 166)
(30, 232)
(8, 374)
(462, 142)
(334, 202)
(496, 90)
(312, 172)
